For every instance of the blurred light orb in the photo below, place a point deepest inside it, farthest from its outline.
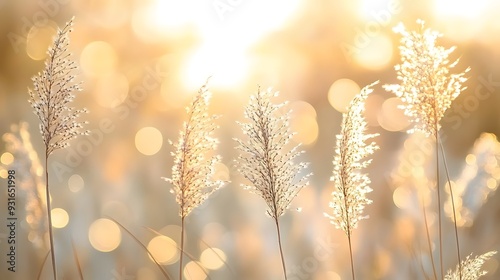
(7, 158)
(213, 258)
(111, 90)
(75, 183)
(376, 55)
(104, 235)
(303, 108)
(470, 159)
(303, 121)
(341, 93)
(60, 217)
(391, 117)
(402, 197)
(163, 249)
(98, 59)
(148, 140)
(39, 39)
(373, 105)
(307, 129)
(195, 271)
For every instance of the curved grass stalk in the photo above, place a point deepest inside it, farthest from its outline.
(143, 247)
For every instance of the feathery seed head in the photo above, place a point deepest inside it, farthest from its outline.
(266, 160)
(350, 183)
(53, 91)
(471, 268)
(427, 88)
(194, 162)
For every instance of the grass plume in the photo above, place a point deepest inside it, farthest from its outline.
(194, 162)
(52, 93)
(427, 88)
(470, 268)
(265, 159)
(350, 183)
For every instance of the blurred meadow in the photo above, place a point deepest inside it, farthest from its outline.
(141, 62)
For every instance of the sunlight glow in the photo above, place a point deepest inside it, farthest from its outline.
(172, 13)
(227, 38)
(369, 7)
(227, 64)
(377, 54)
(468, 9)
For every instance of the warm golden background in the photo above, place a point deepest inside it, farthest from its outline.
(141, 61)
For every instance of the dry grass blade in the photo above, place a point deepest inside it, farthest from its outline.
(75, 255)
(191, 257)
(53, 92)
(267, 161)
(43, 264)
(194, 162)
(144, 247)
(350, 183)
(427, 88)
(219, 257)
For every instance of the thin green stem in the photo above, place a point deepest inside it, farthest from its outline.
(454, 211)
(51, 235)
(281, 249)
